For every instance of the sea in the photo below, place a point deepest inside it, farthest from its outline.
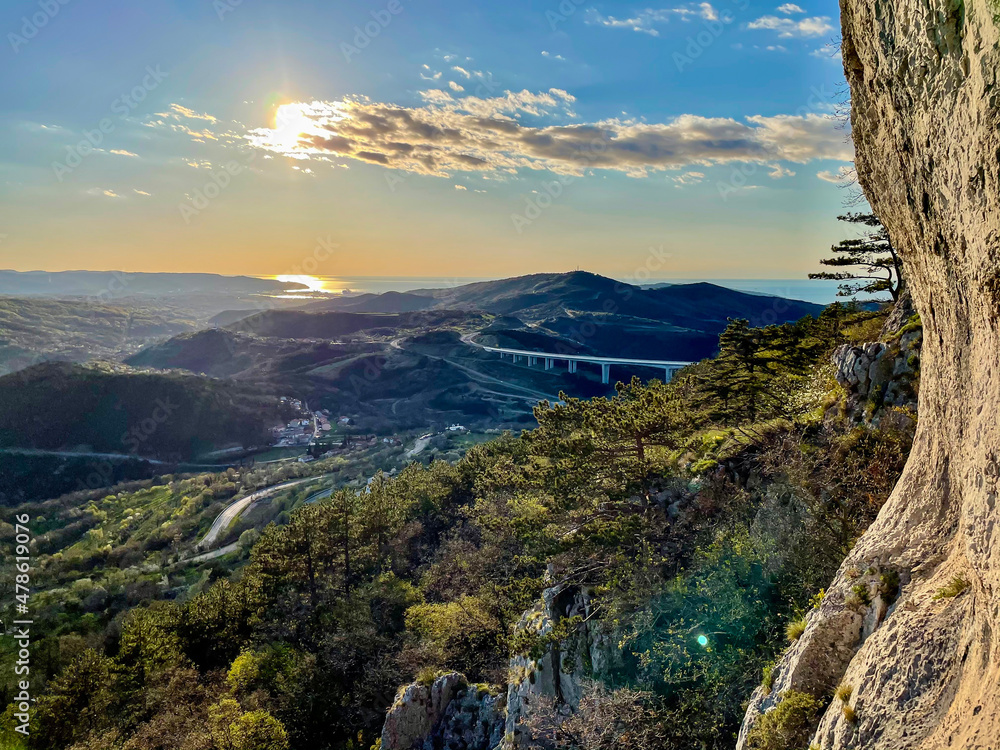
(820, 291)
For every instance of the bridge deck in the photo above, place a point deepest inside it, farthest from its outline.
(589, 359)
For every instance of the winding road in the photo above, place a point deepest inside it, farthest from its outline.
(233, 511)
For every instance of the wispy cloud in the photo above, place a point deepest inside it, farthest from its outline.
(789, 9)
(829, 52)
(839, 177)
(178, 111)
(688, 178)
(788, 28)
(454, 135)
(123, 152)
(553, 57)
(646, 21)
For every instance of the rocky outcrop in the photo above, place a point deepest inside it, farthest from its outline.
(448, 714)
(565, 648)
(926, 124)
(880, 374)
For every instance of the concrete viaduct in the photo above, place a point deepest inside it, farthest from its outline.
(572, 360)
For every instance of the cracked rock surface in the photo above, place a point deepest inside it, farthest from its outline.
(925, 673)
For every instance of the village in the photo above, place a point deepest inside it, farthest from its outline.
(322, 435)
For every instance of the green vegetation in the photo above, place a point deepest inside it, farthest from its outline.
(843, 692)
(703, 515)
(954, 587)
(795, 629)
(33, 329)
(108, 408)
(788, 725)
(768, 682)
(882, 268)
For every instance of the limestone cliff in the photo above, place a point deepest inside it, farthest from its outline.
(562, 650)
(924, 670)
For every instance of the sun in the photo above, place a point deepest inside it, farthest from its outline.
(314, 283)
(290, 122)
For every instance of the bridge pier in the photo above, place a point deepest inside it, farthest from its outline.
(549, 363)
(532, 361)
(571, 365)
(605, 374)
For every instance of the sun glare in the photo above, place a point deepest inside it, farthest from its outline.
(315, 284)
(290, 122)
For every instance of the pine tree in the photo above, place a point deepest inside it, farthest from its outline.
(873, 252)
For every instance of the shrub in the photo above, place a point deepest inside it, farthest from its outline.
(844, 692)
(955, 587)
(788, 725)
(768, 681)
(795, 629)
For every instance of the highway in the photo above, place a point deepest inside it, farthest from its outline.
(233, 511)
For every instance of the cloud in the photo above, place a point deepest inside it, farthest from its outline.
(198, 164)
(450, 135)
(790, 8)
(642, 22)
(829, 52)
(140, 192)
(778, 171)
(101, 192)
(455, 87)
(776, 48)
(645, 21)
(461, 71)
(787, 28)
(178, 111)
(560, 58)
(840, 177)
(689, 178)
(461, 187)
(123, 152)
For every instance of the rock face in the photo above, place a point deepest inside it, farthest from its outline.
(569, 649)
(926, 125)
(880, 374)
(449, 714)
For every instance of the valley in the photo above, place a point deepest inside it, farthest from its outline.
(390, 366)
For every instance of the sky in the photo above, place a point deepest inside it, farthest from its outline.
(417, 138)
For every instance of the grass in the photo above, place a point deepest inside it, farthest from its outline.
(850, 714)
(795, 629)
(844, 692)
(787, 725)
(955, 587)
(768, 681)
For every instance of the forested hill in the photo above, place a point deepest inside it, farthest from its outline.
(697, 521)
(111, 408)
(536, 297)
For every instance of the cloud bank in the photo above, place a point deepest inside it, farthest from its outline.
(451, 135)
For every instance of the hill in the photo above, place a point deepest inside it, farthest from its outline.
(115, 284)
(294, 324)
(698, 306)
(33, 329)
(113, 409)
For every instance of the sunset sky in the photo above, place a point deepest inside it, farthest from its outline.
(422, 139)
